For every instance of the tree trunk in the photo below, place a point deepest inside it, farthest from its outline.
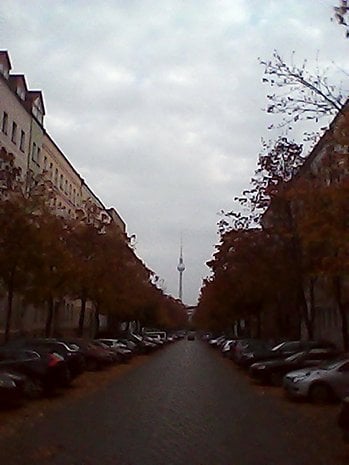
(82, 316)
(49, 318)
(96, 318)
(9, 310)
(342, 311)
(309, 323)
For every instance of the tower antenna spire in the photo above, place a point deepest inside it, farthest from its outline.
(180, 268)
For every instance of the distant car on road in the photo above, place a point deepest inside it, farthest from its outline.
(191, 336)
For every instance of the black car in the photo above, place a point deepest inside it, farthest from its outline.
(70, 352)
(43, 371)
(96, 357)
(273, 371)
(11, 389)
(245, 350)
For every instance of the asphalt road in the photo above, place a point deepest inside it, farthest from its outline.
(185, 405)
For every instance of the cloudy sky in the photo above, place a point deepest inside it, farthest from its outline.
(158, 103)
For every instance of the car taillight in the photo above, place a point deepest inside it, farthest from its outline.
(54, 359)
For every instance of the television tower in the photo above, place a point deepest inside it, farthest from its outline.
(180, 268)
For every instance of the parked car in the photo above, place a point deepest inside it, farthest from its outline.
(157, 341)
(70, 352)
(96, 357)
(122, 352)
(273, 371)
(246, 349)
(130, 345)
(43, 371)
(214, 342)
(142, 345)
(11, 389)
(265, 351)
(226, 346)
(321, 384)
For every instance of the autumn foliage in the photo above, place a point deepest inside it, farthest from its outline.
(45, 258)
(284, 245)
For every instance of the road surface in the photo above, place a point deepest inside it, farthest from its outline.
(185, 405)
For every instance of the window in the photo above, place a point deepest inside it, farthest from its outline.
(38, 154)
(14, 132)
(4, 127)
(20, 92)
(34, 152)
(56, 176)
(45, 163)
(22, 141)
(61, 181)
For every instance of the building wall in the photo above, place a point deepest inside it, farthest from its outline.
(37, 155)
(65, 180)
(16, 113)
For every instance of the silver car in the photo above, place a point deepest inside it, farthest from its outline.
(320, 384)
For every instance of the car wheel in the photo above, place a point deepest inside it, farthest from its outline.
(276, 379)
(320, 393)
(33, 388)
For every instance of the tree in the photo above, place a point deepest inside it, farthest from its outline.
(341, 13)
(18, 241)
(52, 270)
(297, 93)
(278, 163)
(323, 228)
(18, 232)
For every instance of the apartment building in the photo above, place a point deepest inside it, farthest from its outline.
(16, 120)
(66, 181)
(328, 161)
(23, 134)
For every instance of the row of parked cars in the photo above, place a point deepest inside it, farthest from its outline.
(315, 371)
(31, 368)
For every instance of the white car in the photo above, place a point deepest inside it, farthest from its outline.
(319, 384)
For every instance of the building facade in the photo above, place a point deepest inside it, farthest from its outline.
(36, 154)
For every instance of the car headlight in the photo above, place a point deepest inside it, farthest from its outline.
(299, 378)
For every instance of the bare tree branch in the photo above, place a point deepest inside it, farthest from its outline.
(299, 93)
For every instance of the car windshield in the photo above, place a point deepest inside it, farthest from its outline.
(332, 365)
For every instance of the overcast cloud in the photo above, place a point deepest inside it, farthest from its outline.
(157, 103)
